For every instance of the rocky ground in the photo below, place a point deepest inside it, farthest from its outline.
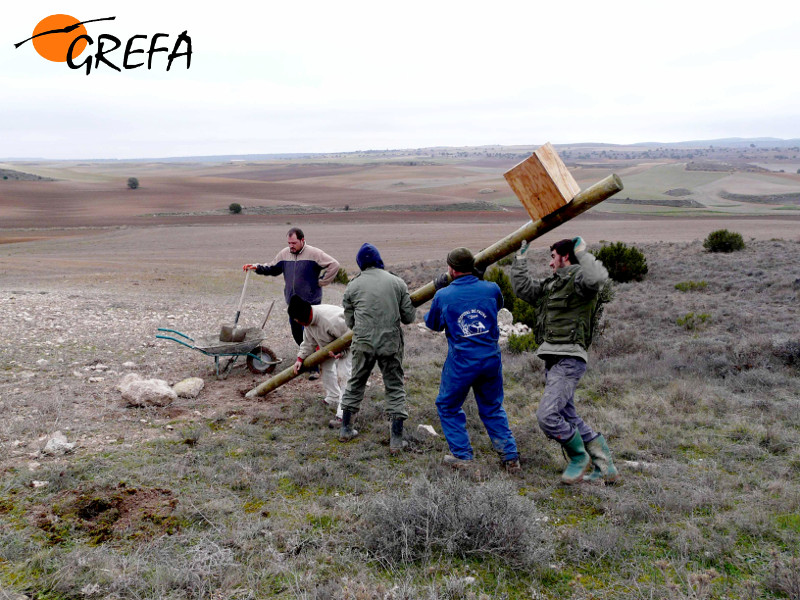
(63, 353)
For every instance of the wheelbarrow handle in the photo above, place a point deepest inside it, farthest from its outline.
(181, 342)
(183, 335)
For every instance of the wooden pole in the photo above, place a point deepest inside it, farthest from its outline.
(585, 200)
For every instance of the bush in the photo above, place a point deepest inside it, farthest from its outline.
(525, 342)
(623, 263)
(133, 183)
(691, 286)
(723, 240)
(235, 208)
(454, 517)
(342, 276)
(521, 310)
(691, 321)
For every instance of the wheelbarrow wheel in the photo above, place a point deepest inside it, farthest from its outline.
(261, 365)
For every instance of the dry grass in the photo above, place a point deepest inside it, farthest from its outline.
(704, 424)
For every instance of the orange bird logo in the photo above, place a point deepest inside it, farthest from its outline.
(53, 36)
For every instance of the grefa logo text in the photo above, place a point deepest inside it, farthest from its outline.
(62, 38)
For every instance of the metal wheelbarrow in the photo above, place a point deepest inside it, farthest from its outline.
(260, 359)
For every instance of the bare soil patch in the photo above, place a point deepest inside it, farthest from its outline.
(106, 513)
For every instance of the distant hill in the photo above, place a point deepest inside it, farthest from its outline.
(489, 149)
(10, 174)
(764, 142)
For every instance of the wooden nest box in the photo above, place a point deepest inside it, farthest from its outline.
(542, 182)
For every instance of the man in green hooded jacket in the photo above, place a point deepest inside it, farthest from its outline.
(375, 304)
(565, 303)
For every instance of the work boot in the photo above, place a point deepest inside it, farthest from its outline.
(578, 459)
(604, 469)
(346, 432)
(512, 467)
(456, 463)
(396, 442)
(335, 423)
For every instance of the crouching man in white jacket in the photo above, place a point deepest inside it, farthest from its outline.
(323, 323)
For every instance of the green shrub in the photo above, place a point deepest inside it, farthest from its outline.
(525, 342)
(623, 263)
(691, 286)
(133, 183)
(341, 276)
(723, 240)
(691, 321)
(235, 208)
(521, 310)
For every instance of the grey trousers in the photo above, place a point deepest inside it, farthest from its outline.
(391, 366)
(557, 416)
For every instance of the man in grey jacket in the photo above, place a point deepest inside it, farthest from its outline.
(375, 304)
(565, 303)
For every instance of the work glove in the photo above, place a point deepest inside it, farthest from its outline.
(579, 244)
(441, 281)
(523, 248)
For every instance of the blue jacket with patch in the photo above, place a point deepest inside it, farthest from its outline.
(467, 311)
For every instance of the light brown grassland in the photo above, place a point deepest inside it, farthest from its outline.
(697, 391)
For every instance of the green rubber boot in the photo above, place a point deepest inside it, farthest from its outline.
(604, 469)
(578, 460)
(346, 432)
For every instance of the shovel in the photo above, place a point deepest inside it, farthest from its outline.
(231, 333)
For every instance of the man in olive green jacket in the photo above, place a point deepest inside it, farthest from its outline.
(565, 303)
(375, 304)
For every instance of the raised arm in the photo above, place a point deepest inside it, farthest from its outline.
(522, 283)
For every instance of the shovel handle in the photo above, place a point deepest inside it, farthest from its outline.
(241, 298)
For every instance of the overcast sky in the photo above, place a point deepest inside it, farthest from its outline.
(310, 76)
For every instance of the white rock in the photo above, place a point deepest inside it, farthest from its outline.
(96, 379)
(189, 388)
(38, 484)
(127, 379)
(504, 317)
(427, 430)
(57, 444)
(100, 367)
(145, 392)
(42, 362)
(129, 365)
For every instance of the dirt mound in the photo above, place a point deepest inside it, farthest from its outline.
(103, 514)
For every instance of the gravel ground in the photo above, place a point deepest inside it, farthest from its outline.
(63, 351)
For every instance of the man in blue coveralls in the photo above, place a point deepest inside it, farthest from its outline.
(467, 311)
